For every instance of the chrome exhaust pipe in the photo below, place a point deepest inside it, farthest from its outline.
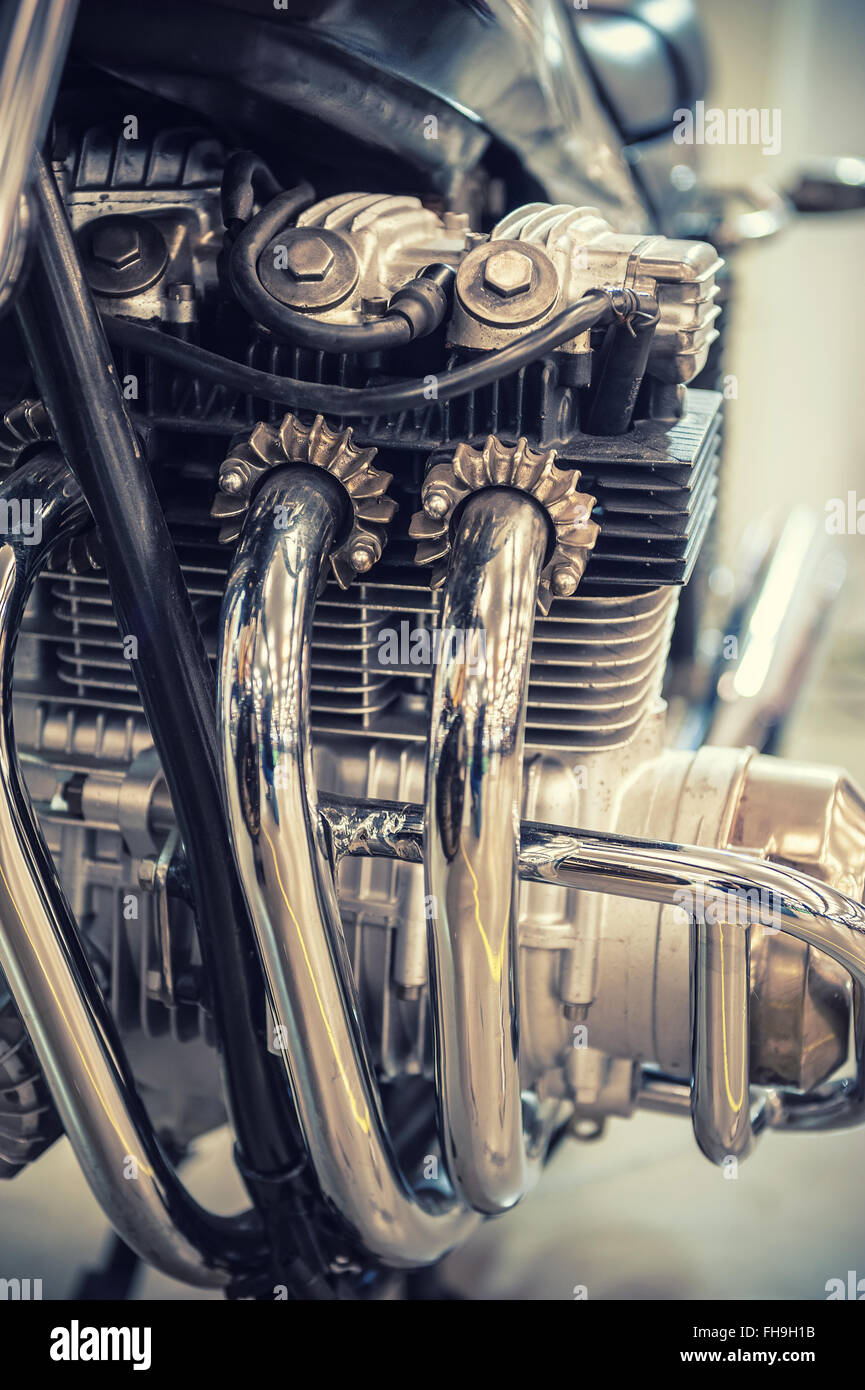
(473, 802)
(287, 841)
(42, 958)
(760, 894)
(287, 875)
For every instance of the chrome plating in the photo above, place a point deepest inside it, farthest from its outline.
(50, 976)
(284, 865)
(473, 795)
(759, 893)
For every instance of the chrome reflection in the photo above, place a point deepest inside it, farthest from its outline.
(34, 37)
(757, 892)
(49, 974)
(473, 795)
(287, 876)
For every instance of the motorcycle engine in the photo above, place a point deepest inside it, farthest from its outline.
(631, 420)
(151, 237)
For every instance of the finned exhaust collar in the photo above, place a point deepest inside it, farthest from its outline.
(449, 481)
(268, 447)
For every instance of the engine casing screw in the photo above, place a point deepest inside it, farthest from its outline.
(308, 258)
(116, 242)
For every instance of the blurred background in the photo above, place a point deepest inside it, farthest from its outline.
(641, 1214)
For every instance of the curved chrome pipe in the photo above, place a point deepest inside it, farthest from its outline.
(49, 974)
(34, 37)
(758, 893)
(721, 1039)
(284, 866)
(473, 796)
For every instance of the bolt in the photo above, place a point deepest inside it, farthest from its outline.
(363, 556)
(563, 581)
(308, 258)
(508, 273)
(232, 477)
(116, 243)
(436, 504)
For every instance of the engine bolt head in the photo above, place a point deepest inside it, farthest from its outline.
(116, 243)
(508, 273)
(308, 258)
(362, 557)
(563, 581)
(232, 478)
(436, 504)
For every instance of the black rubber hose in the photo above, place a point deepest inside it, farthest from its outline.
(79, 385)
(394, 330)
(245, 179)
(597, 306)
(620, 369)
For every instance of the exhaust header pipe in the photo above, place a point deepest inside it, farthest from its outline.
(287, 842)
(287, 876)
(473, 795)
(42, 957)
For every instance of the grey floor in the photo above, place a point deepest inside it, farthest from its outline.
(640, 1214)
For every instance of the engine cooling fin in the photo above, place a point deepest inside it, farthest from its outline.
(597, 657)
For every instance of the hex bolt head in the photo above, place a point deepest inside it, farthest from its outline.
(232, 478)
(308, 258)
(363, 557)
(117, 243)
(563, 581)
(508, 273)
(436, 503)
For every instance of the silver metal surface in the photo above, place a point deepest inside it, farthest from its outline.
(393, 237)
(473, 799)
(721, 1041)
(533, 472)
(34, 40)
(283, 861)
(45, 964)
(758, 893)
(583, 251)
(271, 447)
(755, 893)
